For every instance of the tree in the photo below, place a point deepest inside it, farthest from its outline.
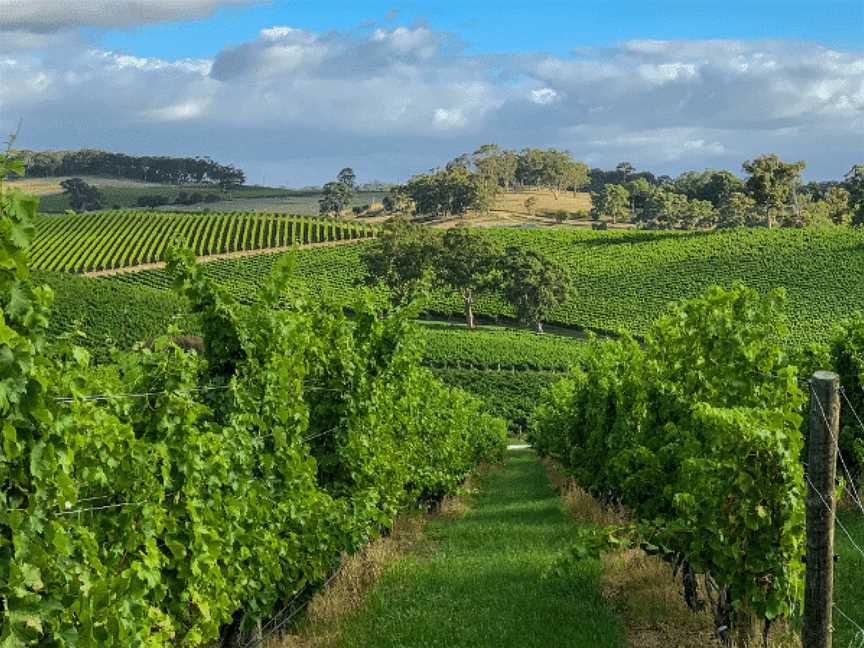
(229, 177)
(611, 203)
(533, 285)
(397, 200)
(853, 182)
(837, 205)
(550, 168)
(698, 213)
(403, 257)
(334, 199)
(467, 265)
(453, 190)
(624, 171)
(347, 177)
(639, 190)
(736, 211)
(82, 196)
(713, 186)
(665, 210)
(771, 183)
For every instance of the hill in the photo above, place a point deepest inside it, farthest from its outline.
(107, 240)
(624, 279)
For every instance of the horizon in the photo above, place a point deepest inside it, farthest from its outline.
(291, 93)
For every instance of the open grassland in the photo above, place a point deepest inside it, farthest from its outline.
(624, 280)
(545, 202)
(106, 240)
(124, 194)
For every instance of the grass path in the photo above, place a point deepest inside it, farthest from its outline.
(849, 582)
(484, 579)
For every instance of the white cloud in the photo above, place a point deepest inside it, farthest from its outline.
(49, 15)
(449, 118)
(544, 96)
(401, 100)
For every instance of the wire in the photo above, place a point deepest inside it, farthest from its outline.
(860, 633)
(110, 397)
(257, 642)
(836, 519)
(102, 508)
(830, 428)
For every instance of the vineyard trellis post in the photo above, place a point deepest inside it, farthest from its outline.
(824, 430)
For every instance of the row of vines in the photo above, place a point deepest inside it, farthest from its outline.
(108, 240)
(172, 498)
(699, 432)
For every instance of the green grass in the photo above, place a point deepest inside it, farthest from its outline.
(482, 580)
(849, 581)
(302, 202)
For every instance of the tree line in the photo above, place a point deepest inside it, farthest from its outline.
(156, 169)
(472, 181)
(411, 259)
(770, 194)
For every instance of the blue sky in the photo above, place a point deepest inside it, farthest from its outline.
(293, 90)
(514, 26)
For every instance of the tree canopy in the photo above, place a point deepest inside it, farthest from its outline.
(533, 285)
(82, 196)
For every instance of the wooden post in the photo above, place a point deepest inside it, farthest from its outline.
(824, 425)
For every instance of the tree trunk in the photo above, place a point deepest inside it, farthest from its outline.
(539, 326)
(469, 308)
(748, 629)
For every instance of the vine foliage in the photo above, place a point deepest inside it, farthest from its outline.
(205, 490)
(698, 432)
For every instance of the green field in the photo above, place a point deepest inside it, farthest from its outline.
(116, 195)
(107, 240)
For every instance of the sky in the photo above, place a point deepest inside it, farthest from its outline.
(293, 90)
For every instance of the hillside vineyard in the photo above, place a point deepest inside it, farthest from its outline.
(108, 240)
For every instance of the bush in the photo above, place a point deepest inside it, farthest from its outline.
(152, 200)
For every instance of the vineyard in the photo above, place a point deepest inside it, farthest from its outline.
(496, 347)
(108, 240)
(624, 280)
(170, 498)
(698, 432)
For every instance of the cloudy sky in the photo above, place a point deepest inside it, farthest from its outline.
(293, 90)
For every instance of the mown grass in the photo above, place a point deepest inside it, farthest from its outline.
(487, 579)
(849, 581)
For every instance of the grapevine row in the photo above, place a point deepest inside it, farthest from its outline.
(108, 240)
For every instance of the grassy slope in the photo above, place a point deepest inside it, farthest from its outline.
(124, 195)
(481, 580)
